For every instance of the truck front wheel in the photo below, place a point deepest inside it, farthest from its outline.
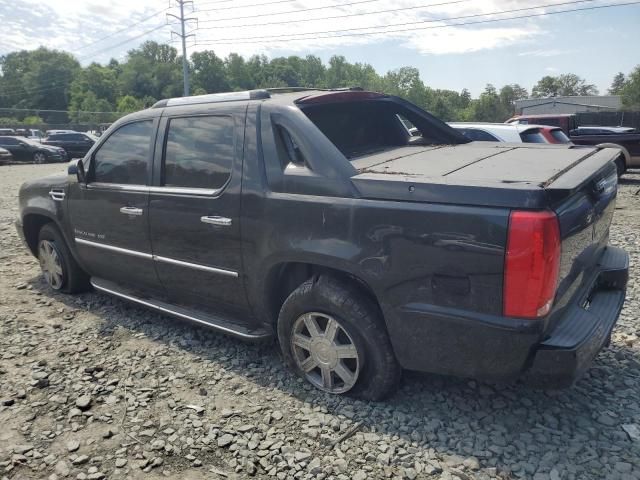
(59, 268)
(332, 335)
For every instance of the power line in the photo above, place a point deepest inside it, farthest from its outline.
(333, 16)
(247, 6)
(36, 110)
(123, 29)
(278, 38)
(287, 12)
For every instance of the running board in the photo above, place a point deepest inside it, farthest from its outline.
(211, 321)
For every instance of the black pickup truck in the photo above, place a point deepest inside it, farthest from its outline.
(627, 140)
(316, 218)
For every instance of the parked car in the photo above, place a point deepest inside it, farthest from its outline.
(500, 132)
(7, 131)
(76, 144)
(52, 132)
(32, 133)
(586, 130)
(315, 217)
(5, 155)
(628, 143)
(27, 150)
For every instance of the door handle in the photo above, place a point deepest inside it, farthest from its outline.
(220, 221)
(131, 211)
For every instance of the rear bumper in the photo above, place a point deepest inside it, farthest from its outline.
(584, 329)
(494, 348)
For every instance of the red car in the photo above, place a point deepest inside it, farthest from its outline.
(554, 135)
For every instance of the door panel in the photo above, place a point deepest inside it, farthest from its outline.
(198, 258)
(110, 215)
(111, 244)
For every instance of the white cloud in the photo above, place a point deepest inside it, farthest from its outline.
(546, 53)
(299, 26)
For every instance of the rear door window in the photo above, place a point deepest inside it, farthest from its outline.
(125, 156)
(199, 152)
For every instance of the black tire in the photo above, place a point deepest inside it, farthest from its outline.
(74, 279)
(620, 166)
(379, 372)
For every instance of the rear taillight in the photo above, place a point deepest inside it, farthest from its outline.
(532, 264)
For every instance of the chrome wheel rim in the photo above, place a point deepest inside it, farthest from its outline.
(50, 264)
(39, 158)
(325, 352)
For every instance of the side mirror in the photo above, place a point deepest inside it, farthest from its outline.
(76, 168)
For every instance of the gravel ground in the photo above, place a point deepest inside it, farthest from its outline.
(92, 387)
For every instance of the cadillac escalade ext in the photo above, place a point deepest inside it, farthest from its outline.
(315, 217)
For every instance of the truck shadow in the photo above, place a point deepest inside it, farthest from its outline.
(510, 427)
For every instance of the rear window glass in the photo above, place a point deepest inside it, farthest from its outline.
(560, 136)
(478, 135)
(533, 136)
(359, 128)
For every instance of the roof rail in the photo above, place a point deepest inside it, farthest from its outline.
(213, 98)
(307, 89)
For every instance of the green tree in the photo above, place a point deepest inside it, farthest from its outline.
(209, 72)
(567, 84)
(152, 70)
(631, 90)
(128, 104)
(618, 84)
(39, 79)
(238, 76)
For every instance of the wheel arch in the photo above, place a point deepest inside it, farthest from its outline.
(283, 278)
(32, 223)
(625, 153)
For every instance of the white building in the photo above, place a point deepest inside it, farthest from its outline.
(595, 103)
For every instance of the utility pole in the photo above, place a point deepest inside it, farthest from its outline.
(183, 36)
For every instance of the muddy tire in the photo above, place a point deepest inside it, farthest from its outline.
(61, 271)
(333, 336)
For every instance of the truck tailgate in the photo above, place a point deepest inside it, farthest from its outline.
(588, 193)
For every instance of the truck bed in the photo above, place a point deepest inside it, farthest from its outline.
(502, 175)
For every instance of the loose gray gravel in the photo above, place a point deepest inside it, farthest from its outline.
(92, 388)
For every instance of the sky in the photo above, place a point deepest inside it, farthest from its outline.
(455, 44)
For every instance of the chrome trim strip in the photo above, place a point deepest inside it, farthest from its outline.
(148, 256)
(173, 312)
(195, 266)
(118, 186)
(133, 253)
(205, 192)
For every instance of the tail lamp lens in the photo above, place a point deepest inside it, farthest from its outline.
(532, 264)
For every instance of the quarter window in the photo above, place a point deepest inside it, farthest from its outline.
(124, 156)
(199, 152)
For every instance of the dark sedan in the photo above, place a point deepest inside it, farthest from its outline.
(5, 155)
(27, 150)
(76, 144)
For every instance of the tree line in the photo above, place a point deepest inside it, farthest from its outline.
(32, 82)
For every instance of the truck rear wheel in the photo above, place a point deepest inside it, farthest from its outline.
(59, 268)
(333, 337)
